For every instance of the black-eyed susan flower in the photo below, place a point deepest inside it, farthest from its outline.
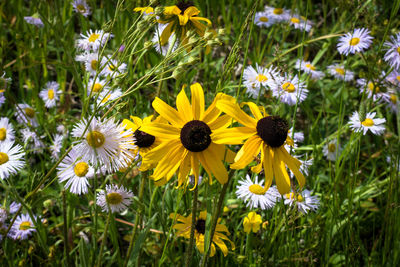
(180, 19)
(375, 125)
(187, 140)
(303, 200)
(252, 222)
(356, 41)
(266, 135)
(221, 232)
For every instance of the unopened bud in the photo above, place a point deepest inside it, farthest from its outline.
(177, 73)
(148, 44)
(208, 35)
(221, 31)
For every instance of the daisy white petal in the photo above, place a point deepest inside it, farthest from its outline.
(11, 159)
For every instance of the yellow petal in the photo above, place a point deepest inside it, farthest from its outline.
(129, 125)
(161, 130)
(282, 178)
(191, 11)
(168, 165)
(183, 19)
(197, 101)
(172, 10)
(247, 153)
(195, 164)
(293, 164)
(255, 110)
(201, 19)
(221, 122)
(166, 33)
(161, 151)
(212, 111)
(213, 164)
(268, 170)
(168, 112)
(233, 110)
(232, 136)
(200, 28)
(183, 105)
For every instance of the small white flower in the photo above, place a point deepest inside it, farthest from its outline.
(290, 90)
(93, 40)
(308, 68)
(372, 88)
(29, 137)
(156, 40)
(80, 6)
(76, 172)
(50, 94)
(56, 146)
(255, 78)
(26, 115)
(117, 198)
(7, 133)
(392, 55)
(92, 63)
(97, 86)
(11, 159)
(278, 14)
(331, 150)
(339, 72)
(264, 19)
(254, 194)
(394, 78)
(356, 41)
(14, 207)
(34, 21)
(106, 97)
(304, 201)
(113, 68)
(22, 228)
(369, 123)
(300, 23)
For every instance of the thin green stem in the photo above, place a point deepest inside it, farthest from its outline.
(103, 241)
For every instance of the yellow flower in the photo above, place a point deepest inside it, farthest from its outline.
(252, 222)
(200, 229)
(266, 135)
(180, 19)
(148, 10)
(187, 141)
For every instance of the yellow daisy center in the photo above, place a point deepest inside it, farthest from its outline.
(340, 71)
(368, 122)
(278, 11)
(50, 94)
(3, 158)
(93, 37)
(264, 19)
(398, 50)
(300, 198)
(309, 66)
(81, 8)
(288, 87)
(95, 139)
(398, 78)
(393, 98)
(371, 87)
(256, 189)
(97, 87)
(111, 67)
(354, 41)
(81, 169)
(3, 134)
(114, 198)
(25, 225)
(331, 147)
(93, 64)
(261, 78)
(290, 195)
(295, 20)
(30, 112)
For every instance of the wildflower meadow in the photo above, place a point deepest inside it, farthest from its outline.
(199, 133)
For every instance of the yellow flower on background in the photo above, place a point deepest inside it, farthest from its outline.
(187, 141)
(266, 135)
(252, 222)
(220, 234)
(148, 10)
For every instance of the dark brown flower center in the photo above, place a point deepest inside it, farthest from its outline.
(273, 130)
(195, 136)
(143, 139)
(200, 226)
(183, 5)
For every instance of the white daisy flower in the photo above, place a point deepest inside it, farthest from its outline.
(369, 123)
(92, 63)
(80, 6)
(55, 148)
(156, 41)
(339, 72)
(93, 40)
(117, 198)
(264, 19)
(113, 68)
(308, 68)
(76, 172)
(303, 200)
(22, 228)
(25, 114)
(356, 41)
(97, 86)
(390, 99)
(332, 150)
(106, 97)
(14, 207)
(34, 21)
(11, 159)
(7, 133)
(277, 14)
(50, 94)
(4, 82)
(290, 90)
(372, 88)
(300, 23)
(102, 142)
(254, 194)
(32, 139)
(255, 78)
(392, 56)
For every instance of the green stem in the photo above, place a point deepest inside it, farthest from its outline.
(65, 228)
(191, 241)
(248, 247)
(103, 241)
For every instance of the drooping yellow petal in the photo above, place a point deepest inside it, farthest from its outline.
(255, 110)
(200, 28)
(212, 112)
(232, 136)
(183, 105)
(191, 11)
(247, 153)
(197, 101)
(172, 11)
(201, 19)
(166, 34)
(157, 153)
(195, 164)
(130, 125)
(233, 110)
(161, 130)
(168, 165)
(168, 112)
(184, 170)
(258, 167)
(221, 122)
(223, 152)
(222, 246)
(183, 19)
(268, 170)
(209, 159)
(282, 178)
(293, 164)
